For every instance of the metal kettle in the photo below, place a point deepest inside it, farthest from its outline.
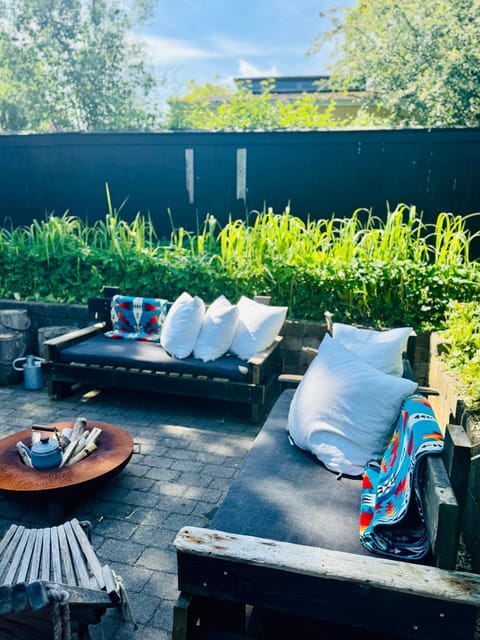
(46, 453)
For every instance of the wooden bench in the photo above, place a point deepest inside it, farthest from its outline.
(87, 357)
(285, 541)
(57, 565)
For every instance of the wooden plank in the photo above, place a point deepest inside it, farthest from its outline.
(231, 391)
(17, 556)
(322, 599)
(110, 585)
(8, 546)
(77, 557)
(27, 557)
(456, 455)
(392, 575)
(87, 549)
(70, 577)
(442, 513)
(45, 558)
(80, 596)
(36, 555)
(56, 562)
(71, 338)
(5, 541)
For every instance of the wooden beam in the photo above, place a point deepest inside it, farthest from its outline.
(318, 583)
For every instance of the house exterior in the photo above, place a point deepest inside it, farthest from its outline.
(289, 88)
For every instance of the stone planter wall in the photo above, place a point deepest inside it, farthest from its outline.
(46, 314)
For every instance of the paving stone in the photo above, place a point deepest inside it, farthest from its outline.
(205, 494)
(135, 577)
(158, 559)
(128, 551)
(119, 529)
(219, 471)
(163, 616)
(166, 475)
(141, 498)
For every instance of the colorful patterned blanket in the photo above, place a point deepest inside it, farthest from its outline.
(391, 512)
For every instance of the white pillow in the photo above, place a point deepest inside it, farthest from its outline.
(344, 408)
(382, 349)
(217, 330)
(258, 325)
(182, 325)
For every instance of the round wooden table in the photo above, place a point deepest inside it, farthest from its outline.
(114, 450)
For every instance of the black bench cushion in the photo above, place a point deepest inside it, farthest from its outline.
(100, 350)
(284, 493)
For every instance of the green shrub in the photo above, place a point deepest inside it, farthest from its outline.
(362, 269)
(462, 343)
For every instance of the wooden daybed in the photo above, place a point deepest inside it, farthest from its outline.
(86, 356)
(284, 547)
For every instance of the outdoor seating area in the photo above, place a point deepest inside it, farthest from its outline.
(221, 528)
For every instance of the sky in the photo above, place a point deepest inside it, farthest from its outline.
(218, 40)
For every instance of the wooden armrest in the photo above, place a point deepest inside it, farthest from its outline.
(290, 379)
(325, 564)
(259, 360)
(428, 391)
(61, 342)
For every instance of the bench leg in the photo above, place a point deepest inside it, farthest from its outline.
(58, 390)
(211, 614)
(184, 617)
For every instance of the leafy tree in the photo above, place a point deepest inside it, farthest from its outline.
(72, 64)
(218, 108)
(420, 61)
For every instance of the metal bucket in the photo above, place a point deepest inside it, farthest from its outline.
(32, 371)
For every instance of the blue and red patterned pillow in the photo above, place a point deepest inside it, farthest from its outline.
(136, 318)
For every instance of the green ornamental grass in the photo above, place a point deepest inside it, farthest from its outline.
(365, 269)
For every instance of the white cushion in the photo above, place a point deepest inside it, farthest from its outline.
(258, 325)
(182, 325)
(382, 349)
(344, 408)
(217, 330)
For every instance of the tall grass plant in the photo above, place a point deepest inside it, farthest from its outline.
(366, 269)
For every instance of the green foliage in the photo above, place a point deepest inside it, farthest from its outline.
(217, 108)
(462, 336)
(418, 61)
(72, 65)
(362, 269)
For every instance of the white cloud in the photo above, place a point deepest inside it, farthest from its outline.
(249, 70)
(233, 48)
(168, 51)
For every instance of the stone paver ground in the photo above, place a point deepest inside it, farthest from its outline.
(186, 454)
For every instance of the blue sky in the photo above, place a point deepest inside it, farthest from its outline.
(205, 40)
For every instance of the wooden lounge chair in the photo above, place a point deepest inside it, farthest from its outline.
(52, 583)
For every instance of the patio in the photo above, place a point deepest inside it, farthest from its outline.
(186, 455)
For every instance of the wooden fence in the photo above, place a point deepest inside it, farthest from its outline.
(319, 173)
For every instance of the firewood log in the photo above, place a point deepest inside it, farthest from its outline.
(86, 451)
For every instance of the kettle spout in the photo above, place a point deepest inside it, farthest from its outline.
(24, 452)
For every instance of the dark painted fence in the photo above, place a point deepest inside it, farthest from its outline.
(320, 173)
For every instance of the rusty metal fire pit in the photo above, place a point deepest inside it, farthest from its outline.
(115, 448)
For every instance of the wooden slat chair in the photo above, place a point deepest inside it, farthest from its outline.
(52, 583)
